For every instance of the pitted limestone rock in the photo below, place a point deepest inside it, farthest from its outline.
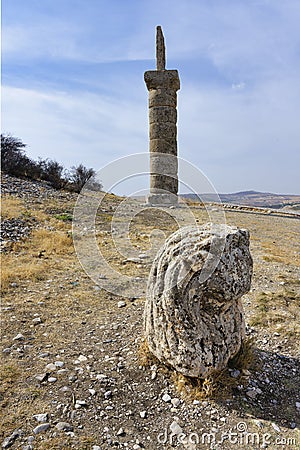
(193, 316)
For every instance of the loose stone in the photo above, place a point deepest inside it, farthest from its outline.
(41, 428)
(52, 379)
(19, 337)
(64, 426)
(175, 402)
(121, 304)
(107, 394)
(166, 398)
(175, 428)
(121, 432)
(8, 442)
(50, 367)
(41, 417)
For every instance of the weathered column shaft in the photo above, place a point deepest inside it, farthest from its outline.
(162, 86)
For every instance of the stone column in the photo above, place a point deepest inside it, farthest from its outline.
(162, 85)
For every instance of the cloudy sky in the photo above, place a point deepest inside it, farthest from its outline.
(73, 88)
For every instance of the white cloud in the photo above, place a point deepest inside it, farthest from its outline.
(241, 128)
(82, 127)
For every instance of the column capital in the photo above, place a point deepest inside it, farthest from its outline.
(166, 79)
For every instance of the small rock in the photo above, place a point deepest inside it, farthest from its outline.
(92, 392)
(196, 402)
(19, 337)
(235, 373)
(59, 363)
(175, 402)
(107, 394)
(121, 304)
(298, 405)
(50, 367)
(41, 417)
(121, 432)
(41, 428)
(37, 320)
(276, 427)
(80, 404)
(251, 393)
(43, 355)
(41, 377)
(8, 442)
(258, 423)
(65, 389)
(166, 398)
(82, 358)
(175, 428)
(153, 375)
(96, 447)
(52, 379)
(64, 426)
(143, 256)
(6, 350)
(143, 414)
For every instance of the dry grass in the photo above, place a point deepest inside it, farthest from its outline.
(9, 373)
(277, 252)
(69, 306)
(11, 207)
(217, 385)
(31, 259)
(278, 311)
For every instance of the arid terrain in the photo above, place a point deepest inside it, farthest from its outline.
(258, 199)
(75, 373)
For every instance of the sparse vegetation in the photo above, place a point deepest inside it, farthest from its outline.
(43, 278)
(278, 312)
(15, 162)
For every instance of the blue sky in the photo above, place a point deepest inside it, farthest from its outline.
(73, 88)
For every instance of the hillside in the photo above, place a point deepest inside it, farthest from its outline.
(75, 373)
(253, 198)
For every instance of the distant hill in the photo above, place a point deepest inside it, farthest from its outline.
(252, 198)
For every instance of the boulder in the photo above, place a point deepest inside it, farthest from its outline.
(193, 319)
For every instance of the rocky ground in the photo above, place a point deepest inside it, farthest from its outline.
(74, 372)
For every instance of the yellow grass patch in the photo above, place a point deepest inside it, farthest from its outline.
(11, 207)
(30, 260)
(278, 312)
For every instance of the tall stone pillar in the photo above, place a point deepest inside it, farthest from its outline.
(162, 85)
